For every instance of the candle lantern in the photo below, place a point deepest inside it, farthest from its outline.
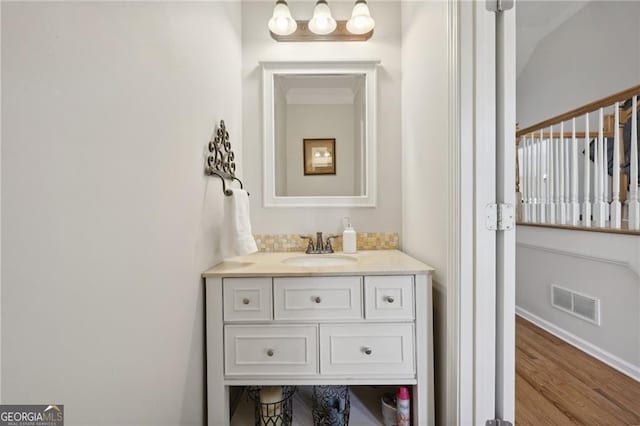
(273, 404)
(331, 405)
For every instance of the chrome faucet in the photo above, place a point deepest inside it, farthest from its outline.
(319, 243)
(320, 246)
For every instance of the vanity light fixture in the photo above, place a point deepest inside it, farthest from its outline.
(282, 23)
(322, 26)
(322, 22)
(361, 21)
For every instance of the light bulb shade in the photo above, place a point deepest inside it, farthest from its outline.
(281, 22)
(361, 21)
(322, 22)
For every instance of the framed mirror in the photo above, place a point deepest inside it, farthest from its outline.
(319, 134)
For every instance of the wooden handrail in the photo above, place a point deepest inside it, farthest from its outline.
(567, 134)
(590, 107)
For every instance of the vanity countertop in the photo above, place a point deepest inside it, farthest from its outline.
(384, 262)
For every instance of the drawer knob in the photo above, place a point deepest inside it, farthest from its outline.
(317, 299)
(270, 352)
(390, 299)
(367, 351)
(245, 301)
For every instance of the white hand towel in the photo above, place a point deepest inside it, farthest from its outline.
(237, 239)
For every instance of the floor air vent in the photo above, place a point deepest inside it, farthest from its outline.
(578, 304)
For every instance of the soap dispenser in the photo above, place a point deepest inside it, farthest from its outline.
(348, 237)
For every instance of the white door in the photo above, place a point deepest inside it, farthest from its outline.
(488, 103)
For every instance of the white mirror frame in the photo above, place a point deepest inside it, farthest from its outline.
(269, 70)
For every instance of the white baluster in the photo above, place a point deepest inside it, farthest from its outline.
(523, 178)
(556, 180)
(534, 174)
(562, 213)
(596, 177)
(541, 194)
(634, 204)
(616, 207)
(549, 185)
(530, 178)
(551, 206)
(605, 177)
(526, 192)
(599, 211)
(586, 206)
(544, 218)
(567, 180)
(574, 207)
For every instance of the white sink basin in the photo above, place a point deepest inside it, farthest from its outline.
(320, 260)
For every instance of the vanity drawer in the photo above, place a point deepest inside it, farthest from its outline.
(317, 298)
(246, 299)
(270, 350)
(371, 349)
(389, 297)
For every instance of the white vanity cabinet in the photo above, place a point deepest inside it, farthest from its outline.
(366, 324)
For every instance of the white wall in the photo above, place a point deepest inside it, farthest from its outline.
(593, 54)
(317, 122)
(604, 266)
(425, 144)
(385, 46)
(107, 217)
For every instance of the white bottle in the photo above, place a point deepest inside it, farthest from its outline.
(348, 237)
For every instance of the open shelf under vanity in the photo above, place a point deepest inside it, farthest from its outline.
(365, 406)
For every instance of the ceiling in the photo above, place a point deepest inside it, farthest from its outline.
(535, 19)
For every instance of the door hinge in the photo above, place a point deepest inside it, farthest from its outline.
(498, 5)
(499, 217)
(498, 422)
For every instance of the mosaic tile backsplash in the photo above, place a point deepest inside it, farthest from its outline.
(293, 242)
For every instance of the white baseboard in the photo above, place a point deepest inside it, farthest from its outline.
(611, 360)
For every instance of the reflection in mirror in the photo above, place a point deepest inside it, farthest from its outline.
(319, 134)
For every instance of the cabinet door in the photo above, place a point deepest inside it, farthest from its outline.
(270, 350)
(389, 297)
(370, 350)
(317, 298)
(247, 299)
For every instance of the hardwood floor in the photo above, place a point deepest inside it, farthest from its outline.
(557, 384)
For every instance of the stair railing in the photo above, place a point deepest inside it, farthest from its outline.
(580, 168)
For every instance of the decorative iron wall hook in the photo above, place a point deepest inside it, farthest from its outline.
(221, 159)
